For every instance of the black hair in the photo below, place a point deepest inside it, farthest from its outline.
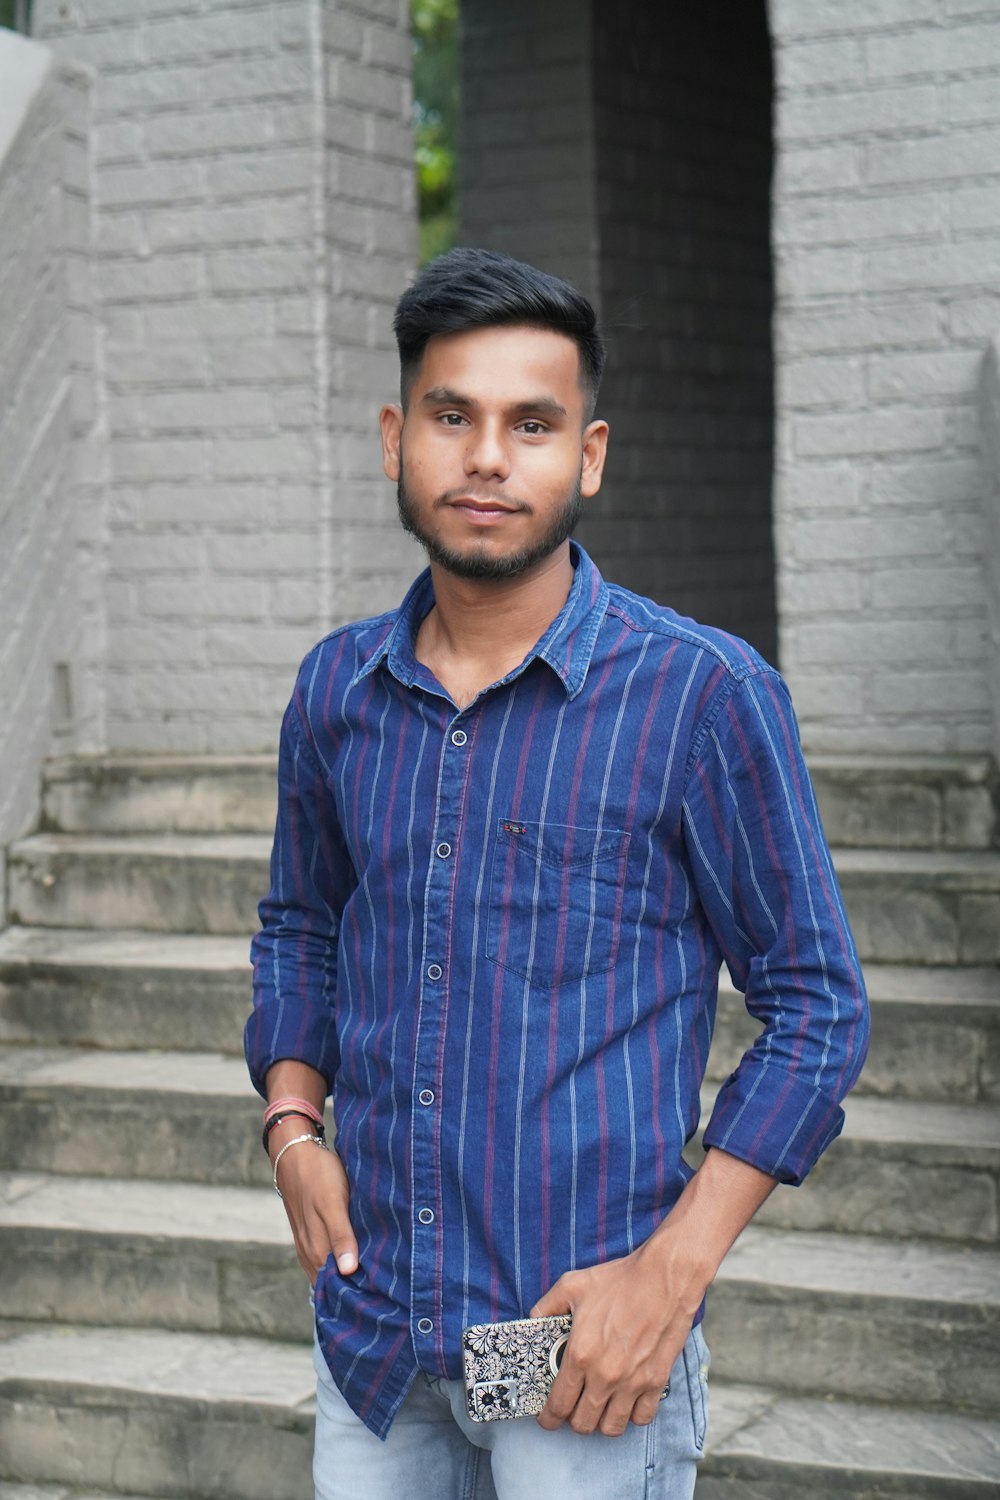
(472, 288)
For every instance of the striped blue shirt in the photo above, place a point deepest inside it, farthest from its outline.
(497, 931)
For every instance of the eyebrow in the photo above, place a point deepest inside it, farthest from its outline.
(440, 395)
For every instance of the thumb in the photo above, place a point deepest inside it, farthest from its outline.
(343, 1241)
(556, 1300)
(346, 1256)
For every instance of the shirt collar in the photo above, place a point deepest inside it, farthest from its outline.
(567, 645)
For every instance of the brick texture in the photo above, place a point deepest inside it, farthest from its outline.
(247, 158)
(46, 418)
(887, 250)
(627, 147)
(990, 414)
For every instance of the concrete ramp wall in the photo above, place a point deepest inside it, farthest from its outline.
(45, 407)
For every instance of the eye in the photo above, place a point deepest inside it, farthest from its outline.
(451, 418)
(533, 428)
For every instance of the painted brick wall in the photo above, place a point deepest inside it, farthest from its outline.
(45, 407)
(627, 147)
(244, 150)
(526, 157)
(989, 409)
(683, 125)
(887, 239)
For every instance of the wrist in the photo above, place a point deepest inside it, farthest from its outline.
(286, 1130)
(680, 1256)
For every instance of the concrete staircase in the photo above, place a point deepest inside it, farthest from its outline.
(153, 1319)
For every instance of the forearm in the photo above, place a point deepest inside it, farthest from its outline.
(712, 1211)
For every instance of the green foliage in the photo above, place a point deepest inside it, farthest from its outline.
(15, 14)
(434, 28)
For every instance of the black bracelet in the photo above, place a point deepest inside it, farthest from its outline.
(291, 1114)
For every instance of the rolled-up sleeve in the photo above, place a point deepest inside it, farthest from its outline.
(295, 953)
(765, 878)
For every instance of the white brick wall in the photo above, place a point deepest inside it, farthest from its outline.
(46, 412)
(887, 244)
(245, 277)
(990, 416)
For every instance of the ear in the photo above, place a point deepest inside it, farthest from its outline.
(595, 451)
(390, 420)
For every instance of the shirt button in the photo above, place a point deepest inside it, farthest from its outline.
(443, 850)
(434, 971)
(426, 1216)
(459, 737)
(426, 1096)
(425, 1326)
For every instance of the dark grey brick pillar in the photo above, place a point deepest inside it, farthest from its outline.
(628, 147)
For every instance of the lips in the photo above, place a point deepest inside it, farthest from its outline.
(481, 507)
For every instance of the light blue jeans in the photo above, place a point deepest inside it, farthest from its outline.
(434, 1452)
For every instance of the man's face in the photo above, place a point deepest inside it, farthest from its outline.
(493, 457)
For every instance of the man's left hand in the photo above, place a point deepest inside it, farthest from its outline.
(631, 1318)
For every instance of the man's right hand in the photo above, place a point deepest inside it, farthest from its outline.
(313, 1183)
(316, 1196)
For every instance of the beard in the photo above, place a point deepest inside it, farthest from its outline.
(479, 560)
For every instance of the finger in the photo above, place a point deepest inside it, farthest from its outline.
(646, 1407)
(339, 1230)
(617, 1414)
(556, 1300)
(589, 1409)
(343, 1244)
(562, 1398)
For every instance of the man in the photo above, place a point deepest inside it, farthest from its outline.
(522, 820)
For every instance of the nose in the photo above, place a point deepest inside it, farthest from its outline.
(486, 454)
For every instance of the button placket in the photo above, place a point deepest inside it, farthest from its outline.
(425, 1179)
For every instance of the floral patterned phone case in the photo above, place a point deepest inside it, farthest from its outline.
(509, 1367)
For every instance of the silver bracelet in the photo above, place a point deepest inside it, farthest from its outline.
(295, 1141)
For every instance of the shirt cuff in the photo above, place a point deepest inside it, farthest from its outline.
(308, 1042)
(774, 1121)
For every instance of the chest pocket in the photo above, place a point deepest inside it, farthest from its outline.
(555, 900)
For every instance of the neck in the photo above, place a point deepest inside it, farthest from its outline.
(484, 619)
(481, 629)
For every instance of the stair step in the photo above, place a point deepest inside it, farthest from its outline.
(907, 802)
(892, 802)
(859, 1317)
(123, 989)
(848, 1314)
(162, 1115)
(157, 882)
(924, 906)
(161, 793)
(902, 1167)
(768, 1445)
(156, 1412)
(935, 1032)
(167, 1255)
(928, 906)
(13, 1491)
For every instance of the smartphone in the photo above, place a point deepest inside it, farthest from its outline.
(509, 1367)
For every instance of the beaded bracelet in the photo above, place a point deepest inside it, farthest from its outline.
(295, 1141)
(289, 1114)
